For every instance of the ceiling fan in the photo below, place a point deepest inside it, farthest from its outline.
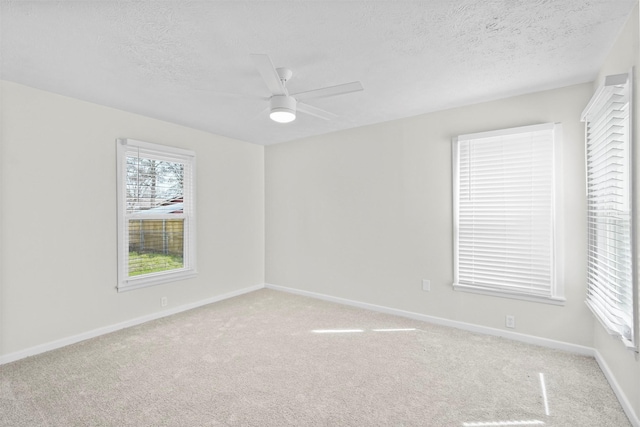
(282, 104)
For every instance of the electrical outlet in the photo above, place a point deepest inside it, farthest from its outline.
(510, 321)
(164, 301)
(426, 285)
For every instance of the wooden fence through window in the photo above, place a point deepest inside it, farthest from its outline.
(159, 236)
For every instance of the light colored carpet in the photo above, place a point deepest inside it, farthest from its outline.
(255, 360)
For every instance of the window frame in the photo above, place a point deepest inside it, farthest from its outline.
(556, 289)
(124, 146)
(601, 312)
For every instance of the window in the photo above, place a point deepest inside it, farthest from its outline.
(156, 214)
(505, 228)
(610, 281)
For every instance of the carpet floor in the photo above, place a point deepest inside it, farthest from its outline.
(270, 358)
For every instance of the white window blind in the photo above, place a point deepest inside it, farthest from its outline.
(156, 220)
(610, 280)
(504, 209)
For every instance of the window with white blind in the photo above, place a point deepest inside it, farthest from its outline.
(611, 293)
(505, 229)
(156, 214)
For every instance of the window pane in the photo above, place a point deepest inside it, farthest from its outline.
(155, 245)
(154, 185)
(156, 223)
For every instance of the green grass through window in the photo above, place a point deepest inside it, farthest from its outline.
(145, 263)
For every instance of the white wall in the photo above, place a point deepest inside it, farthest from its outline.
(622, 363)
(366, 214)
(59, 217)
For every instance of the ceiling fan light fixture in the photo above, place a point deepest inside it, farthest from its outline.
(283, 109)
(282, 115)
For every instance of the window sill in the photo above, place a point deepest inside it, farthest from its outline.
(553, 300)
(155, 279)
(610, 329)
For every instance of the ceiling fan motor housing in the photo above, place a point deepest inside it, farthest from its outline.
(283, 108)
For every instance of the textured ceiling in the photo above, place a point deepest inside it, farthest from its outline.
(188, 62)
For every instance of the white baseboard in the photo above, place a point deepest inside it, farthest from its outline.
(544, 342)
(32, 351)
(622, 398)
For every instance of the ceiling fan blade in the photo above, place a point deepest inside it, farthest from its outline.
(269, 73)
(329, 91)
(264, 112)
(315, 111)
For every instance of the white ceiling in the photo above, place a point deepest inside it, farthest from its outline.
(188, 62)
